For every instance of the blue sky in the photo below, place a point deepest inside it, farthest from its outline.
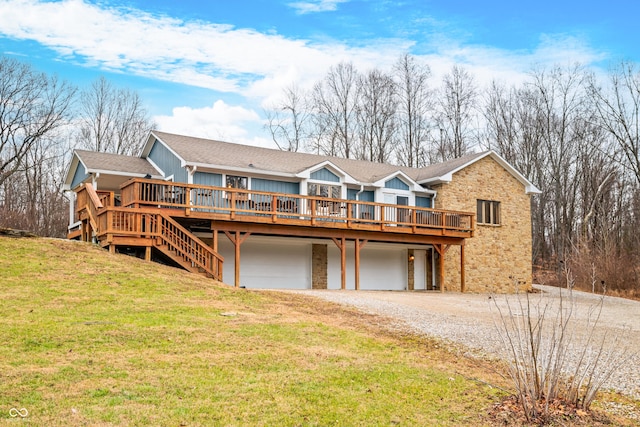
(209, 68)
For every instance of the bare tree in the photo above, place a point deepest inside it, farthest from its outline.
(376, 113)
(32, 107)
(618, 108)
(335, 101)
(413, 107)
(455, 113)
(112, 120)
(288, 121)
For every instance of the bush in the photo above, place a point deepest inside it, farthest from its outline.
(553, 355)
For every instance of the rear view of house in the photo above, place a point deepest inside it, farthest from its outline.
(264, 218)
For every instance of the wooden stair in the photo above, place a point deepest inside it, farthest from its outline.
(184, 248)
(117, 226)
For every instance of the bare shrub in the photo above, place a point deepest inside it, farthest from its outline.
(554, 354)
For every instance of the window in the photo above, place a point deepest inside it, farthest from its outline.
(324, 190)
(488, 212)
(239, 182)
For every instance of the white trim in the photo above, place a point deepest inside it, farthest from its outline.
(345, 178)
(529, 188)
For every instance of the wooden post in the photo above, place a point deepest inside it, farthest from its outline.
(215, 238)
(441, 250)
(237, 240)
(462, 278)
(147, 253)
(358, 245)
(343, 261)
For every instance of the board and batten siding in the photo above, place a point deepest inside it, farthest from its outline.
(365, 196)
(167, 162)
(79, 176)
(259, 184)
(210, 179)
(423, 202)
(396, 184)
(325, 174)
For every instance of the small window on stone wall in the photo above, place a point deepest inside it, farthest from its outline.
(488, 212)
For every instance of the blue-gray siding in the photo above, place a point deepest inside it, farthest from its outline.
(325, 174)
(423, 202)
(258, 184)
(396, 184)
(79, 176)
(167, 162)
(365, 196)
(204, 178)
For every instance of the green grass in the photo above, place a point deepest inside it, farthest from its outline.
(89, 338)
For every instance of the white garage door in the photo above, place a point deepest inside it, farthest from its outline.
(382, 267)
(269, 263)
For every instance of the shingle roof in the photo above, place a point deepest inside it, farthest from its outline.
(115, 163)
(225, 154)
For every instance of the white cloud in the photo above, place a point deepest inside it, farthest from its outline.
(208, 55)
(312, 6)
(220, 121)
(244, 61)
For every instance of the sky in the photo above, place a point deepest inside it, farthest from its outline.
(210, 68)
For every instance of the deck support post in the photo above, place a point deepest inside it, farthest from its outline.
(462, 274)
(441, 249)
(341, 244)
(214, 232)
(147, 253)
(237, 239)
(359, 244)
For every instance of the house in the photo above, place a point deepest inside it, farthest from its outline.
(264, 218)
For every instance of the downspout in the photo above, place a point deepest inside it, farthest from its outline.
(191, 171)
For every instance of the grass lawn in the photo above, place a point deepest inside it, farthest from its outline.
(89, 338)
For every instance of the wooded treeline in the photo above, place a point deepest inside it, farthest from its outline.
(41, 121)
(574, 133)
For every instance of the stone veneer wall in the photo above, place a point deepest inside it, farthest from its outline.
(496, 256)
(319, 266)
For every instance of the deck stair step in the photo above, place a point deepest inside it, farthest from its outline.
(186, 249)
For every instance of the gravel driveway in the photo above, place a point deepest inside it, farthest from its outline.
(470, 319)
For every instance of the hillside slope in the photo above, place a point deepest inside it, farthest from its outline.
(100, 339)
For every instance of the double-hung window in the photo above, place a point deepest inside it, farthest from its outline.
(488, 212)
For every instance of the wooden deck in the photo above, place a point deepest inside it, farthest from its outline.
(230, 204)
(161, 215)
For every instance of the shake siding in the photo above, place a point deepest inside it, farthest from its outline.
(79, 176)
(204, 178)
(325, 174)
(496, 256)
(167, 162)
(259, 184)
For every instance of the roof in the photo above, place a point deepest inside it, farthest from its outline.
(115, 165)
(205, 152)
(107, 162)
(225, 155)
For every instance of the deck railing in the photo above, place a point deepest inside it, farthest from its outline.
(281, 208)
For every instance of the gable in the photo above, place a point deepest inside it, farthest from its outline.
(396, 184)
(325, 174)
(79, 176)
(169, 164)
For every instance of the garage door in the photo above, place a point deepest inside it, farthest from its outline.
(269, 263)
